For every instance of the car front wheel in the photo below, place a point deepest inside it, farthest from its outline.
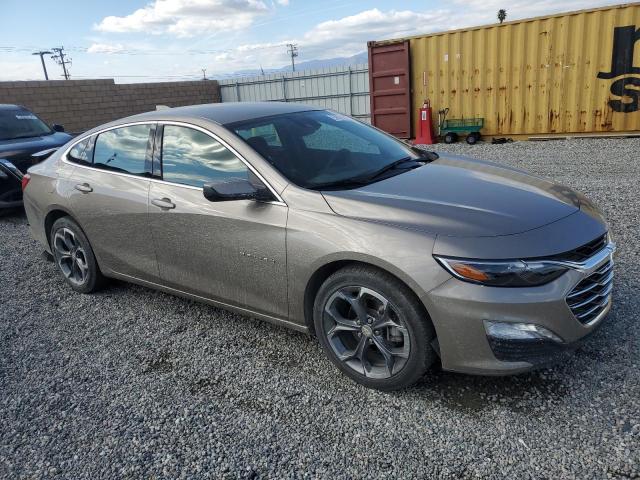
(373, 328)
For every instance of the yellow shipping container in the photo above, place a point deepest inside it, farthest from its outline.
(576, 72)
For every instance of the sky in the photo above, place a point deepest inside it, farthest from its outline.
(164, 40)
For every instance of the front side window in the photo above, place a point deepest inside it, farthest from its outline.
(123, 150)
(323, 149)
(191, 157)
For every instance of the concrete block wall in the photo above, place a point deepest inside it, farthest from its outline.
(79, 105)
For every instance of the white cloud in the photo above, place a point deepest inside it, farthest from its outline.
(335, 38)
(18, 69)
(349, 35)
(105, 48)
(186, 18)
(284, 3)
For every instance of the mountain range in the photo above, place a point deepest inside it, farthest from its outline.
(307, 65)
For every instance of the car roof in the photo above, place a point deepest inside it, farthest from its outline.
(225, 113)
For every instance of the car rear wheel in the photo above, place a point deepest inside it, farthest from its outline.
(74, 256)
(373, 328)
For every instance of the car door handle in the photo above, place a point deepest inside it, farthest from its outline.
(84, 188)
(163, 203)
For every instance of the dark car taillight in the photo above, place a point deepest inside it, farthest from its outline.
(25, 181)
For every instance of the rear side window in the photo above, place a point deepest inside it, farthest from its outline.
(82, 152)
(191, 157)
(123, 150)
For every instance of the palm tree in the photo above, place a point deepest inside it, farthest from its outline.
(502, 15)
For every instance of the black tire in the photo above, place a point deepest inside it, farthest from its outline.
(473, 138)
(407, 313)
(451, 137)
(67, 236)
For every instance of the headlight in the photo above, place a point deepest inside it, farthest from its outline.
(510, 273)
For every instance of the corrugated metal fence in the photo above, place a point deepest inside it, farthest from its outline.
(344, 89)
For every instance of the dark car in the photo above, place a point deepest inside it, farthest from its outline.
(24, 141)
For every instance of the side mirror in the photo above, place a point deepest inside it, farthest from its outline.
(57, 127)
(233, 189)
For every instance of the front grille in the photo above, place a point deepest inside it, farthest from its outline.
(592, 295)
(580, 254)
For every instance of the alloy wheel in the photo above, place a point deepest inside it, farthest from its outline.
(366, 332)
(70, 256)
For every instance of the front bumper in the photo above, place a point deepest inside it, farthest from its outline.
(459, 310)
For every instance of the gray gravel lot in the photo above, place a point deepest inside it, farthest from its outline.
(138, 384)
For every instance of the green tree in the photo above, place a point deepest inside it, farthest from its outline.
(502, 15)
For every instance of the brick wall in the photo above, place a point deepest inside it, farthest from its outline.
(79, 105)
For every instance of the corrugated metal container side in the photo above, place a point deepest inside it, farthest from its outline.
(341, 88)
(555, 74)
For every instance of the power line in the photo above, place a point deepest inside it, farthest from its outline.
(131, 51)
(61, 60)
(293, 51)
(42, 53)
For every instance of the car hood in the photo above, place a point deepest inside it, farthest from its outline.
(18, 151)
(457, 196)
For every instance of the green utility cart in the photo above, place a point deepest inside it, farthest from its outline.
(449, 129)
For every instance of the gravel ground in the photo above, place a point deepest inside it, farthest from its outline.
(134, 383)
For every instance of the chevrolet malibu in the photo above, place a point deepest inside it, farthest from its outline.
(393, 257)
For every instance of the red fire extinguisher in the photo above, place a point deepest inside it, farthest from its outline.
(425, 135)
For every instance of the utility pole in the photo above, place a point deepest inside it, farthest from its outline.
(42, 53)
(204, 73)
(61, 60)
(293, 51)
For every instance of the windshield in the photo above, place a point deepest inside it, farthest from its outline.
(20, 123)
(323, 149)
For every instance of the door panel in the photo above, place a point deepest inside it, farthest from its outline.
(110, 197)
(232, 252)
(389, 86)
(113, 214)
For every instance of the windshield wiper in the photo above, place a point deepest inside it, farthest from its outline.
(30, 135)
(391, 166)
(372, 177)
(425, 154)
(346, 183)
(21, 136)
